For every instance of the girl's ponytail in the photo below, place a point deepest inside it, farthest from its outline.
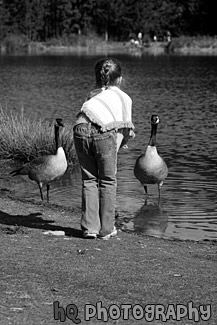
(107, 72)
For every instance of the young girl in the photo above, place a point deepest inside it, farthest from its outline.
(103, 125)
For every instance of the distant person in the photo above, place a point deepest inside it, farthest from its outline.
(132, 38)
(140, 38)
(132, 42)
(103, 125)
(155, 38)
(168, 35)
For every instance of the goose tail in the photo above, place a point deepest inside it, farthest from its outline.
(20, 171)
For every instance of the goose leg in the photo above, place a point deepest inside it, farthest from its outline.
(159, 189)
(159, 197)
(48, 188)
(40, 188)
(146, 190)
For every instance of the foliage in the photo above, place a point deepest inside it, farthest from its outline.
(14, 42)
(23, 138)
(41, 20)
(199, 42)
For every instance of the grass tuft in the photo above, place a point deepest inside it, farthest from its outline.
(23, 138)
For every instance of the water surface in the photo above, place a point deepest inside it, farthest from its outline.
(180, 89)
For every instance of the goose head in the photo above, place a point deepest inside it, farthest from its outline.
(59, 122)
(154, 123)
(155, 119)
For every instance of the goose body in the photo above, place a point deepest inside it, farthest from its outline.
(46, 169)
(150, 168)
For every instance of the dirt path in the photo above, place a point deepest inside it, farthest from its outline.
(41, 271)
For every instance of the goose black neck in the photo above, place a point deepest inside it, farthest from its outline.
(152, 141)
(57, 137)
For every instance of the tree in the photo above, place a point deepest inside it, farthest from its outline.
(4, 17)
(14, 21)
(114, 19)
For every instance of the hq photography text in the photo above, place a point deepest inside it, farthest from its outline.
(149, 312)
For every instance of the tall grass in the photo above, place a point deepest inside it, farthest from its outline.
(15, 42)
(23, 138)
(200, 42)
(92, 39)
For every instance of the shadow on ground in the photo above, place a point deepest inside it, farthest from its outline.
(18, 223)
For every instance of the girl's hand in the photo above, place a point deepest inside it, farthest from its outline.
(132, 134)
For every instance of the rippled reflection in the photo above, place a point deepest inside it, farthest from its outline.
(150, 219)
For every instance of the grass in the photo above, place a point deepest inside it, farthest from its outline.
(199, 42)
(19, 42)
(14, 42)
(23, 138)
(75, 40)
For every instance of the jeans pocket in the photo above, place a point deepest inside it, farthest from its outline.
(105, 143)
(80, 145)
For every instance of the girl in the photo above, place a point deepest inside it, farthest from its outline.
(103, 125)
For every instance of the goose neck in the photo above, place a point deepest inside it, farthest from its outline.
(57, 137)
(152, 141)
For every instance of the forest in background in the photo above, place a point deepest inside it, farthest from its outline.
(114, 20)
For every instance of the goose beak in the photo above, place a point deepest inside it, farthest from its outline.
(59, 122)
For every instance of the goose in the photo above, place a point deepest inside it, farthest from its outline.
(150, 168)
(46, 169)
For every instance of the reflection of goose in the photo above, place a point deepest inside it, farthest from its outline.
(150, 168)
(46, 169)
(150, 220)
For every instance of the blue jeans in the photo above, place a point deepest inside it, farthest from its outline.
(97, 156)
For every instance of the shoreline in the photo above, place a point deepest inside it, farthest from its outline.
(75, 212)
(153, 48)
(7, 183)
(40, 265)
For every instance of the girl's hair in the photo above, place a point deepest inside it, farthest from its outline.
(107, 72)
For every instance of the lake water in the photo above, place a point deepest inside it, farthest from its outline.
(180, 89)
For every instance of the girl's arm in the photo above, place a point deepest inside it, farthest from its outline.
(127, 135)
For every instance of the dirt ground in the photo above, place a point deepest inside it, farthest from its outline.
(50, 277)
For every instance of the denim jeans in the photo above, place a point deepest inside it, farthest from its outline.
(97, 156)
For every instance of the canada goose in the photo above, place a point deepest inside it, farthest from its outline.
(46, 169)
(150, 168)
